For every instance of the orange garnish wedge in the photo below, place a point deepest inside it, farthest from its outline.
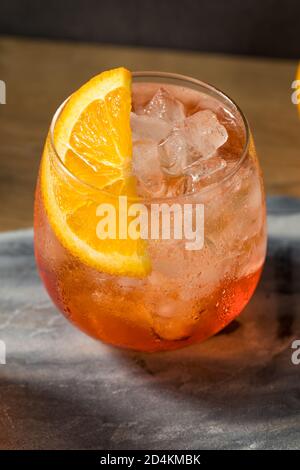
(92, 137)
(298, 79)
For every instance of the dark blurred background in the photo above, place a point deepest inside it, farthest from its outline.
(250, 49)
(250, 27)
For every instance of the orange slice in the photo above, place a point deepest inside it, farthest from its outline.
(92, 137)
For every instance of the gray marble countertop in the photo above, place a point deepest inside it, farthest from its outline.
(59, 389)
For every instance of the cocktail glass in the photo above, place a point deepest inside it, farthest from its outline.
(188, 295)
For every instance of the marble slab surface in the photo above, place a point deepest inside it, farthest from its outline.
(59, 389)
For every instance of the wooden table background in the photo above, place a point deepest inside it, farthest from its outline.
(39, 74)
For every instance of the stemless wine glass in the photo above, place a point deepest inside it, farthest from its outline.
(188, 295)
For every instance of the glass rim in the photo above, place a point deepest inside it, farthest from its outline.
(150, 199)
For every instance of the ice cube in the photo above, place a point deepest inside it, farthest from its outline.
(169, 321)
(173, 153)
(204, 133)
(146, 168)
(177, 186)
(148, 128)
(164, 106)
(203, 168)
(190, 143)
